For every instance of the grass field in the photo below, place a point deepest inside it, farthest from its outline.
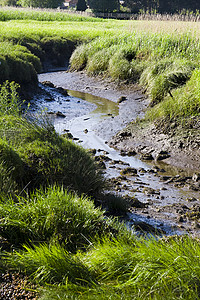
(54, 234)
(161, 56)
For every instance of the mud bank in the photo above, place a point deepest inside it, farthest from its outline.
(132, 105)
(180, 146)
(159, 195)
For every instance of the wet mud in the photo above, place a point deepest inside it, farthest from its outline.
(92, 111)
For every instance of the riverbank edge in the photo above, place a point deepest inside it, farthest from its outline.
(178, 148)
(179, 143)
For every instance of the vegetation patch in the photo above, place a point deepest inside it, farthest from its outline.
(54, 214)
(37, 156)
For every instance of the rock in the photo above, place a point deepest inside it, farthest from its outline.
(101, 165)
(85, 131)
(142, 170)
(143, 226)
(125, 133)
(60, 114)
(150, 191)
(121, 99)
(67, 135)
(180, 219)
(48, 83)
(131, 153)
(167, 179)
(129, 171)
(103, 157)
(92, 151)
(146, 156)
(196, 177)
(162, 155)
(49, 99)
(196, 225)
(137, 204)
(123, 153)
(62, 91)
(105, 152)
(191, 199)
(50, 113)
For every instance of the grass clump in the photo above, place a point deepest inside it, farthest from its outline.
(49, 158)
(161, 77)
(185, 102)
(52, 264)
(18, 63)
(52, 214)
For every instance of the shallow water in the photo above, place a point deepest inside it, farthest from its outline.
(82, 113)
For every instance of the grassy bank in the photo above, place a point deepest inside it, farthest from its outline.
(160, 56)
(34, 155)
(49, 230)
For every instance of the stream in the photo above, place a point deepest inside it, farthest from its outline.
(83, 115)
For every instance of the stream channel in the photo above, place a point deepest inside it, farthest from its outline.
(92, 120)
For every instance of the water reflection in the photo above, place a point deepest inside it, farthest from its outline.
(104, 106)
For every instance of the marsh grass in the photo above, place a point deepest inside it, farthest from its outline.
(46, 15)
(37, 156)
(119, 269)
(53, 214)
(185, 102)
(161, 77)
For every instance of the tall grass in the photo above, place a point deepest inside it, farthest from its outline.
(138, 269)
(11, 13)
(49, 158)
(37, 156)
(184, 103)
(53, 214)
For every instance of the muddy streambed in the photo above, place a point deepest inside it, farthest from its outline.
(88, 111)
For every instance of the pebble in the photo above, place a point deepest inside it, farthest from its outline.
(16, 287)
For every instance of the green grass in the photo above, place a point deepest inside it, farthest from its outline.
(48, 158)
(11, 13)
(70, 244)
(119, 269)
(159, 56)
(34, 155)
(185, 102)
(53, 214)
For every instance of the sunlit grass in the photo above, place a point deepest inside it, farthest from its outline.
(118, 269)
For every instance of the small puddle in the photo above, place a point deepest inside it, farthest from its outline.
(81, 113)
(104, 107)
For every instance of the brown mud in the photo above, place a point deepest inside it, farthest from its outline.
(156, 173)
